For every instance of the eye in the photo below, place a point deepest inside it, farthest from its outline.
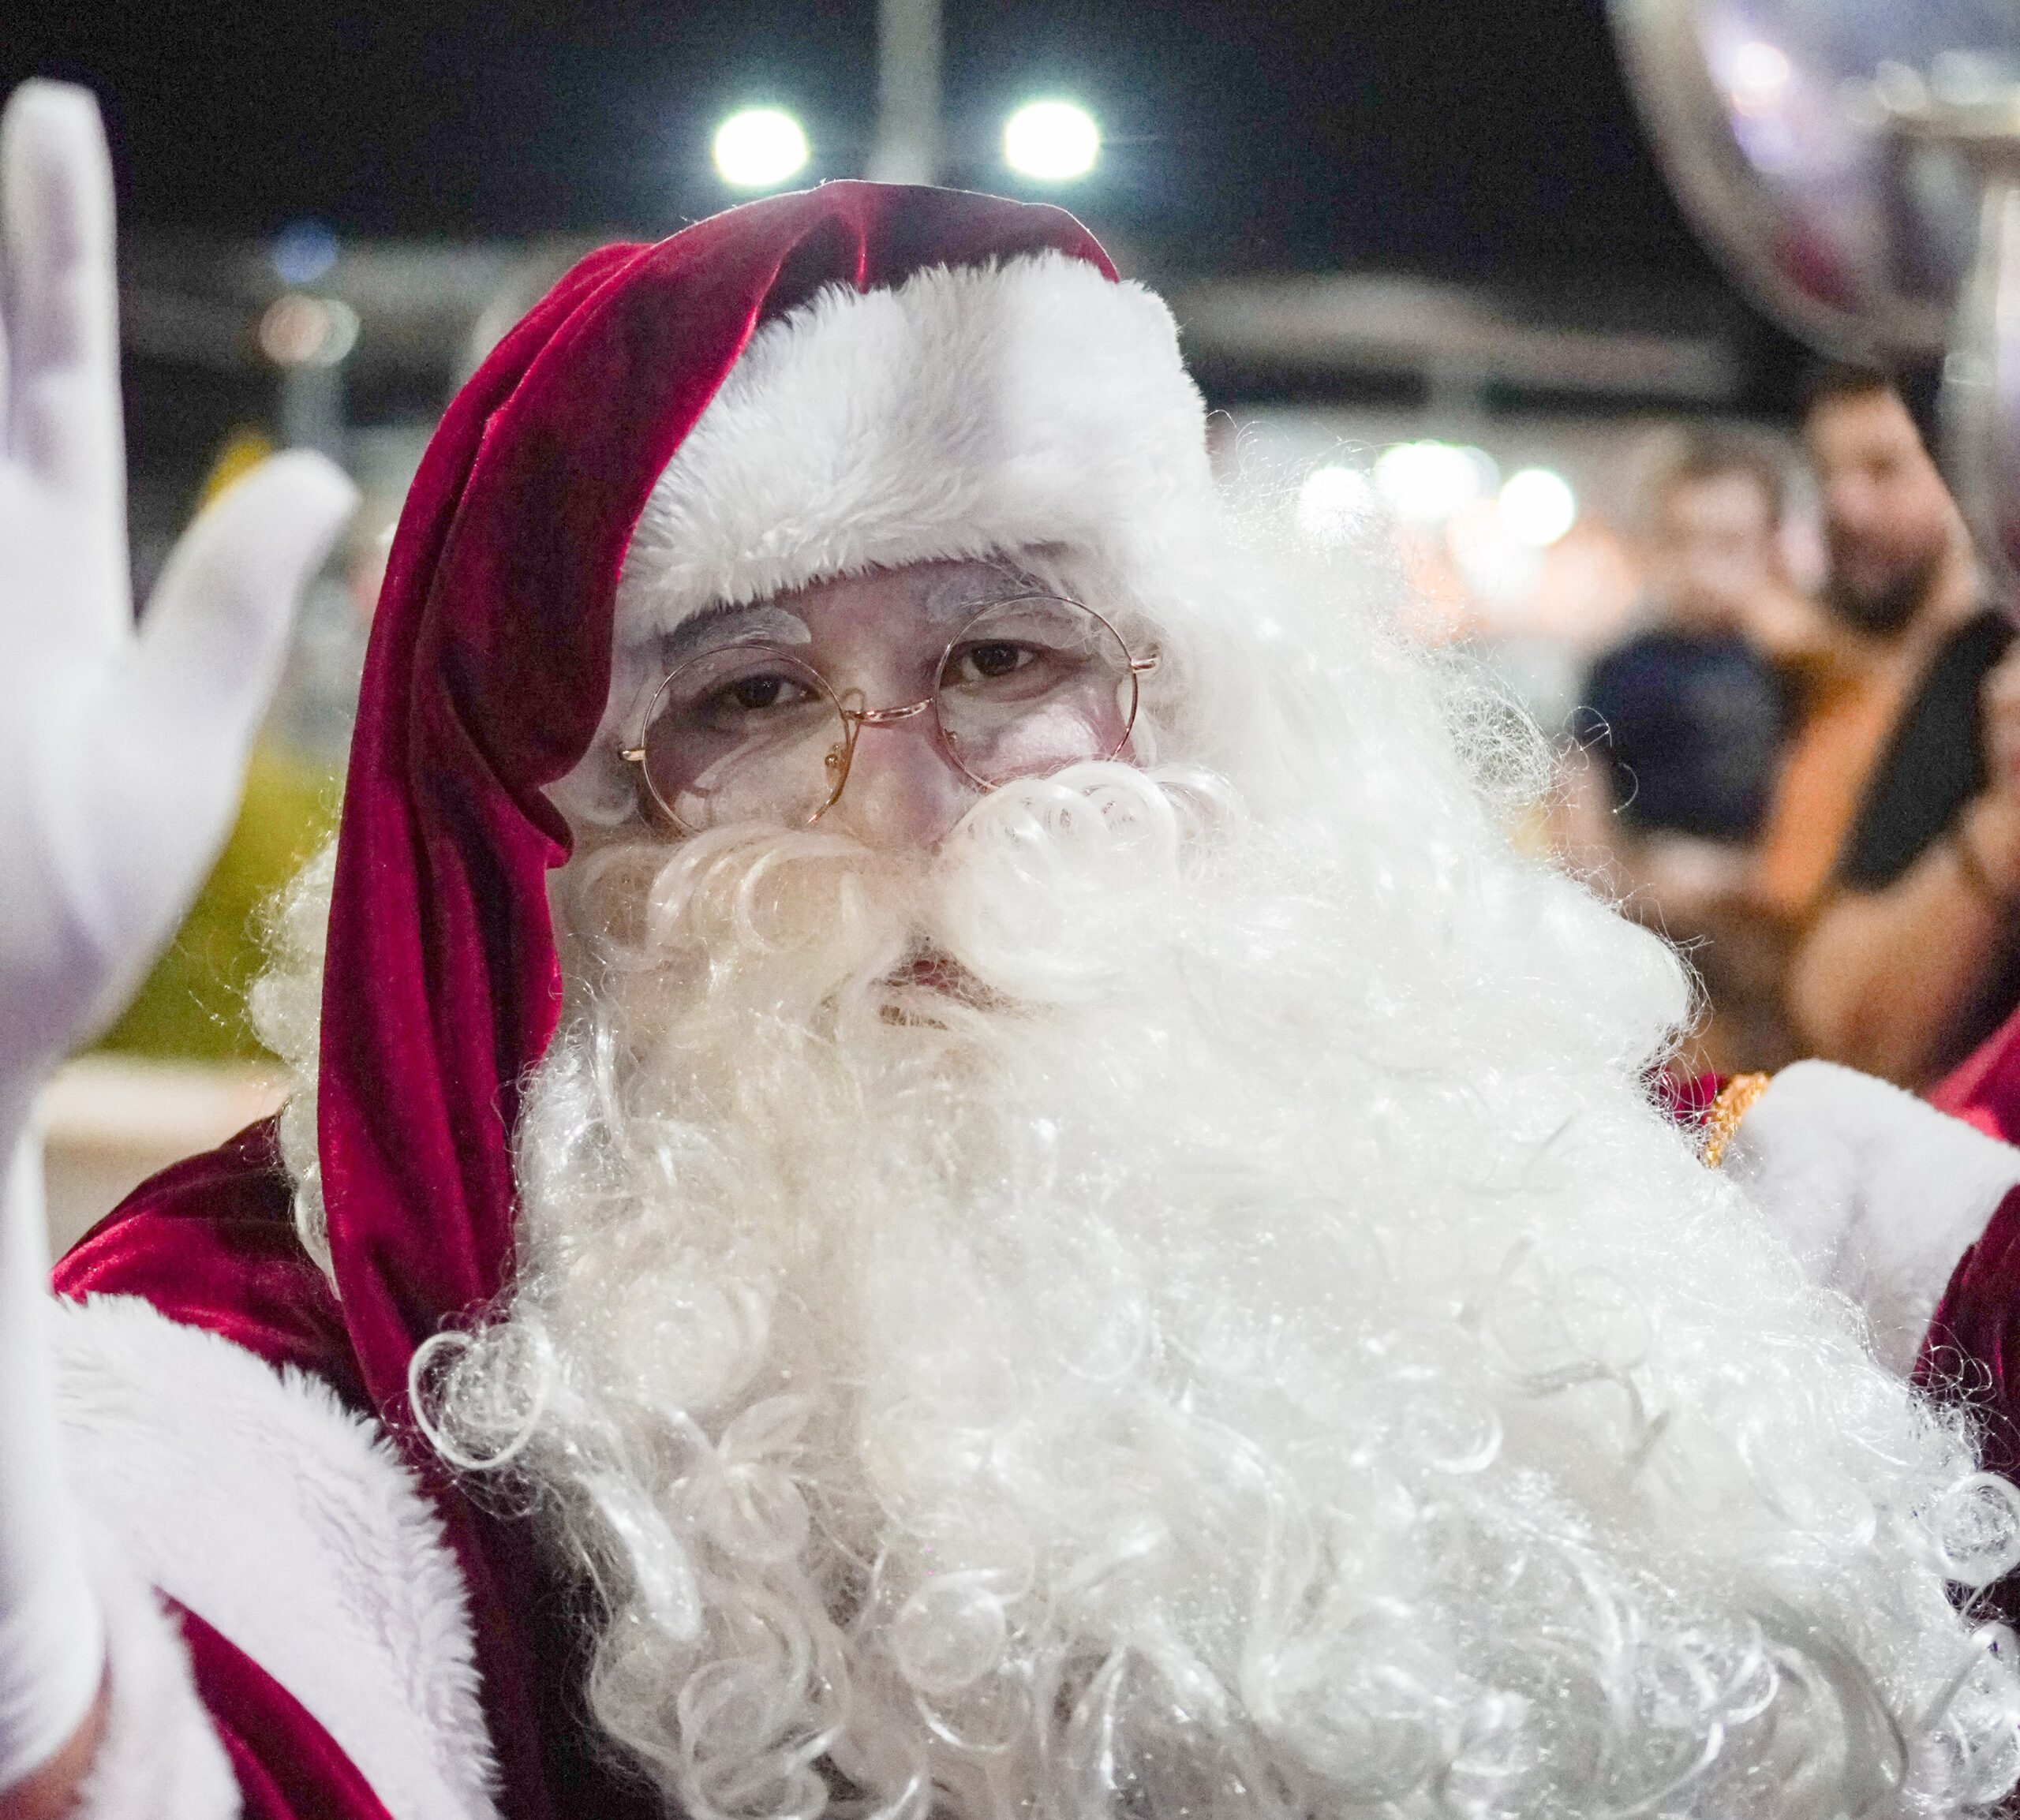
(988, 662)
(757, 693)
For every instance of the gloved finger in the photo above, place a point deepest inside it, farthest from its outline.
(56, 212)
(158, 778)
(215, 629)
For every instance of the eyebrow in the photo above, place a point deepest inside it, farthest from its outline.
(765, 616)
(958, 597)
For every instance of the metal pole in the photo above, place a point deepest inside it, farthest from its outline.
(909, 39)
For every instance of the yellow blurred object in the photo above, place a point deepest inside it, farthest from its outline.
(1529, 830)
(192, 1005)
(242, 451)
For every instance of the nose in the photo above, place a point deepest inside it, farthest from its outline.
(1850, 504)
(903, 790)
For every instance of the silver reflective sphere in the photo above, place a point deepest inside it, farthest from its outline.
(1857, 163)
(1787, 129)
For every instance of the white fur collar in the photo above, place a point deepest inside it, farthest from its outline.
(289, 1525)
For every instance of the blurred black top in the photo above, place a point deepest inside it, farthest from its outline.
(1692, 724)
(1933, 763)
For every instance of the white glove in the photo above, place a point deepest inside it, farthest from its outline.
(121, 757)
(1878, 1192)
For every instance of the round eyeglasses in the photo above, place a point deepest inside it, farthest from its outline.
(752, 733)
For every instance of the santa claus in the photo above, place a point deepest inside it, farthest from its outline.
(941, 1162)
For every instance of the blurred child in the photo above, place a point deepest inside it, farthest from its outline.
(1681, 730)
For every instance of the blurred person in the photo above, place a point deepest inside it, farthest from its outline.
(941, 1164)
(1685, 719)
(1910, 959)
(1681, 730)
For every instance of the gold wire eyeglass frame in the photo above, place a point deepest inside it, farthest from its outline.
(855, 719)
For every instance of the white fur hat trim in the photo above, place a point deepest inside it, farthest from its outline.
(970, 412)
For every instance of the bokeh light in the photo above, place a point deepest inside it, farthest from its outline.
(1537, 507)
(760, 147)
(1054, 141)
(1761, 73)
(1334, 503)
(299, 330)
(303, 252)
(1423, 482)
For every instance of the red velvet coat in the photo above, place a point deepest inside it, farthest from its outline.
(1972, 1349)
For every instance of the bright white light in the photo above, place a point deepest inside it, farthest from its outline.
(760, 147)
(1051, 140)
(1537, 507)
(1332, 504)
(1761, 73)
(1424, 482)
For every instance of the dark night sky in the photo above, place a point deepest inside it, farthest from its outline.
(1490, 137)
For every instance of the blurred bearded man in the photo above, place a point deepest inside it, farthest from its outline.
(942, 1165)
(1909, 961)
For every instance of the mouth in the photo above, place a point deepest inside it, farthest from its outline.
(929, 971)
(921, 988)
(938, 973)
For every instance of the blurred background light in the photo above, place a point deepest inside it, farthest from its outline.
(760, 147)
(1761, 73)
(1971, 78)
(1334, 503)
(1423, 482)
(302, 252)
(308, 332)
(1537, 507)
(1054, 141)
(1499, 569)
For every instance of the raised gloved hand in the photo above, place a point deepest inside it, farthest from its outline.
(121, 755)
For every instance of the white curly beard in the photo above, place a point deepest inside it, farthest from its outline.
(1230, 1338)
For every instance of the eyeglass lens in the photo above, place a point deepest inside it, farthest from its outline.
(1032, 686)
(750, 732)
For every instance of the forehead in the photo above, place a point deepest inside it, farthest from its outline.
(916, 599)
(1696, 500)
(1857, 428)
(932, 590)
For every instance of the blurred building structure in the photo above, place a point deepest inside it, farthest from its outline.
(110, 1122)
(1330, 369)
(1459, 344)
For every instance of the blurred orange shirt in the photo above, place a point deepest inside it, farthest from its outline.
(1853, 700)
